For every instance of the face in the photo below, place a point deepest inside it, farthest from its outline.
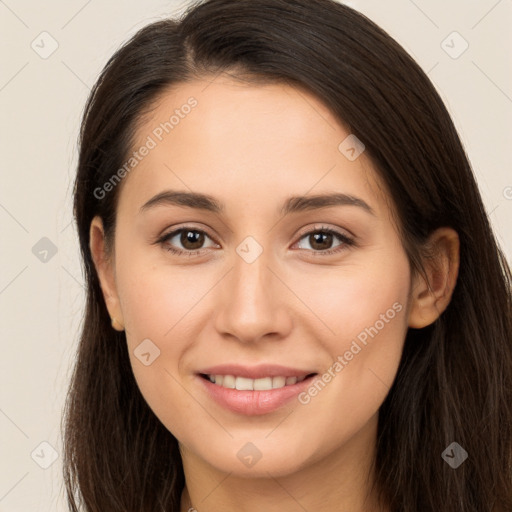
(253, 277)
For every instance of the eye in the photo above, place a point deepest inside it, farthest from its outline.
(321, 239)
(191, 239)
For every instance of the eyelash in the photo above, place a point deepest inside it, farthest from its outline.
(346, 241)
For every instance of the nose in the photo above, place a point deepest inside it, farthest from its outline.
(253, 302)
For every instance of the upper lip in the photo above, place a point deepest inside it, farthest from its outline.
(255, 372)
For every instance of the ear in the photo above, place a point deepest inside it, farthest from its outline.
(106, 272)
(430, 298)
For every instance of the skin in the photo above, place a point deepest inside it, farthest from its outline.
(251, 146)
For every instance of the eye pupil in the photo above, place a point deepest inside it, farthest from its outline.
(319, 237)
(196, 238)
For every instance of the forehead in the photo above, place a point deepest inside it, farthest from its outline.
(225, 137)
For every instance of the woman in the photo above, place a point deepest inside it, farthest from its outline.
(295, 300)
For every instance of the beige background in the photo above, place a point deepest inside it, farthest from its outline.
(41, 100)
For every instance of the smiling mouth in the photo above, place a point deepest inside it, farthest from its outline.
(262, 384)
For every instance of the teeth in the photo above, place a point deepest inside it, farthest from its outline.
(245, 384)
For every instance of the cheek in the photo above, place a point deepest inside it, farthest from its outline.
(157, 306)
(365, 310)
(364, 362)
(156, 298)
(346, 299)
(157, 302)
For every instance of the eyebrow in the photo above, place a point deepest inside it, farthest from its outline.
(293, 204)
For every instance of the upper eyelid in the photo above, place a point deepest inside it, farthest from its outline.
(323, 227)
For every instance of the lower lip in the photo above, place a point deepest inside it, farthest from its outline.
(253, 403)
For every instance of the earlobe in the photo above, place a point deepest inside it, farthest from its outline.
(105, 271)
(429, 298)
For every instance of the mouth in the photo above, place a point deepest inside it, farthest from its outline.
(261, 384)
(252, 397)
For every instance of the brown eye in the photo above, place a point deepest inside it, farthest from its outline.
(321, 241)
(191, 240)
(188, 241)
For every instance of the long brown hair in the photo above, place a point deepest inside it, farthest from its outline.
(454, 381)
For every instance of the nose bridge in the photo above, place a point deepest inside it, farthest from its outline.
(252, 305)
